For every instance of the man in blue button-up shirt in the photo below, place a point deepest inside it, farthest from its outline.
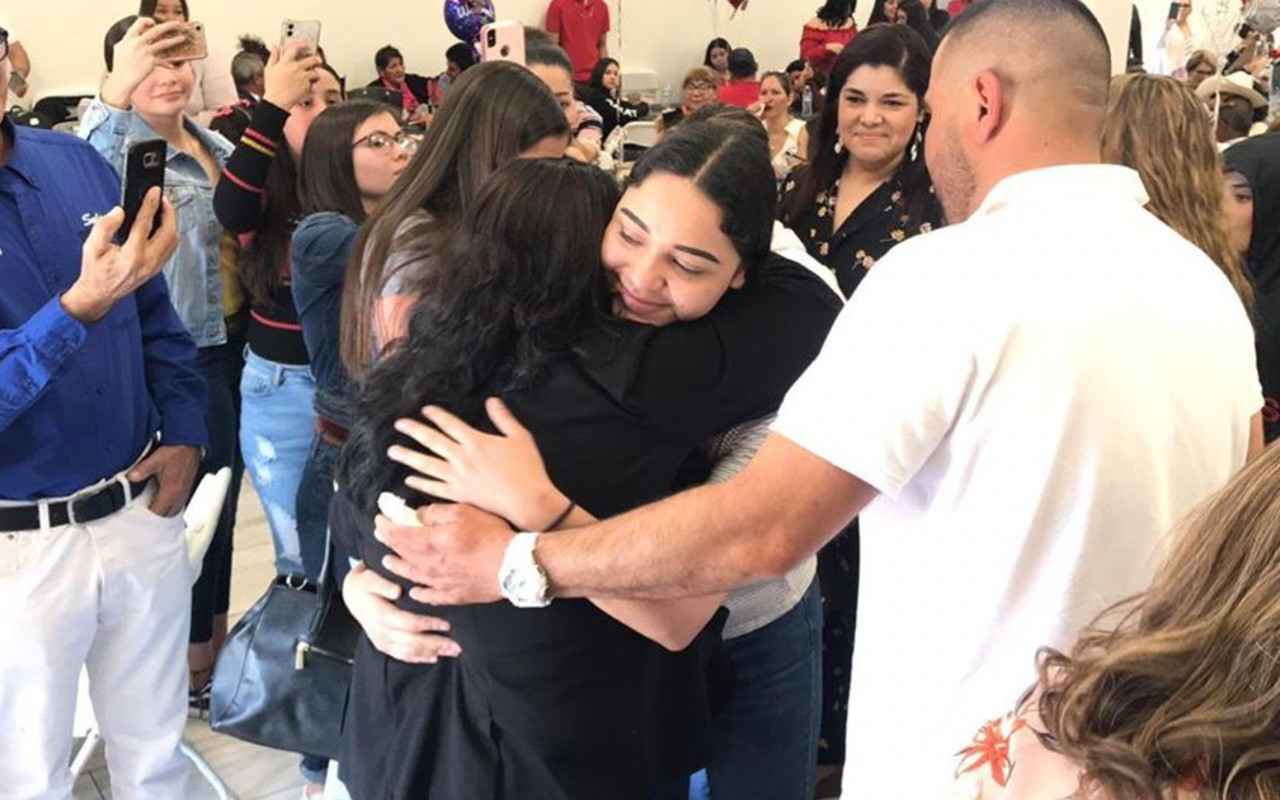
(94, 367)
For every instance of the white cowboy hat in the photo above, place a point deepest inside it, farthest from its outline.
(1239, 84)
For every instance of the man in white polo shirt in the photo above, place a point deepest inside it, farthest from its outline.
(1020, 405)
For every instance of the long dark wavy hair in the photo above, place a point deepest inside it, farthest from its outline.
(327, 171)
(494, 112)
(894, 46)
(523, 286)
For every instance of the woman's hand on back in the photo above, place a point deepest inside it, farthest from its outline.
(502, 474)
(402, 635)
(289, 75)
(136, 55)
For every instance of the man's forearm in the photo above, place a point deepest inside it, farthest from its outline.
(758, 526)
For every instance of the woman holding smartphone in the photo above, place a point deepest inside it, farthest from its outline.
(213, 87)
(144, 98)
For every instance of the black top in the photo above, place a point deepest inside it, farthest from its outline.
(891, 214)
(612, 110)
(240, 204)
(1258, 160)
(564, 703)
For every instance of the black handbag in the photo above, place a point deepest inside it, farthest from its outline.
(282, 677)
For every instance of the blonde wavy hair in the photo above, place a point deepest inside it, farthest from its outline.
(1183, 693)
(1157, 126)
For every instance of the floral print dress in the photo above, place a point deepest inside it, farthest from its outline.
(889, 215)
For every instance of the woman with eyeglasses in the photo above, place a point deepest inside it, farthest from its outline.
(700, 87)
(353, 155)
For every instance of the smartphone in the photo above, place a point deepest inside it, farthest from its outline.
(306, 31)
(502, 41)
(194, 47)
(1174, 8)
(143, 169)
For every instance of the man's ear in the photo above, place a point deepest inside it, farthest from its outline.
(739, 278)
(989, 94)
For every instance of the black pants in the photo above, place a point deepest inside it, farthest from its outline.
(838, 577)
(221, 366)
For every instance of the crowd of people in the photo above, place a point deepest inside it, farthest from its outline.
(917, 387)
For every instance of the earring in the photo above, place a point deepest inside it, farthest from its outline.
(915, 144)
(839, 146)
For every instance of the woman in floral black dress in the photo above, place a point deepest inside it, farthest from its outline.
(864, 190)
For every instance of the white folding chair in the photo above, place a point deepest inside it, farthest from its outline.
(201, 518)
(642, 134)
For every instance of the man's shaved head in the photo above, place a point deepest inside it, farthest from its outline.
(1051, 51)
(1017, 84)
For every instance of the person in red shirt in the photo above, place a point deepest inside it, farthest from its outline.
(581, 27)
(826, 35)
(743, 89)
(956, 7)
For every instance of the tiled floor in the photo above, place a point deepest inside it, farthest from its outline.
(252, 773)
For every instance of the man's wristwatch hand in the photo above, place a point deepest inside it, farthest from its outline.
(523, 582)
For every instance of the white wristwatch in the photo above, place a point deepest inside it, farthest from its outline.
(523, 582)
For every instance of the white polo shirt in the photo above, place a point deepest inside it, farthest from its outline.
(1038, 394)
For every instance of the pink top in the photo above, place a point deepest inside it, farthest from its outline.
(814, 41)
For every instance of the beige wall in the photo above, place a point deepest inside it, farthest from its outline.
(64, 36)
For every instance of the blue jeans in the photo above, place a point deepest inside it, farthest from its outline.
(766, 695)
(277, 427)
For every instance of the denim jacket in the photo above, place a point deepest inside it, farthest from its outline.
(322, 246)
(195, 284)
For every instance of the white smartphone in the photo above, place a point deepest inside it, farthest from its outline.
(301, 30)
(503, 41)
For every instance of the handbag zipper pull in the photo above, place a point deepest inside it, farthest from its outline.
(300, 656)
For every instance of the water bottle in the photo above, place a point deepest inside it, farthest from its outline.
(806, 104)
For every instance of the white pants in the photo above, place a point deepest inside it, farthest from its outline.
(112, 597)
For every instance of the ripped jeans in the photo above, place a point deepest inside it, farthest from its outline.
(277, 428)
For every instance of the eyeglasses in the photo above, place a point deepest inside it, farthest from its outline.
(700, 86)
(4, 45)
(382, 142)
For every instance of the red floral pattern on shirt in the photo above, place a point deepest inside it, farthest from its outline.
(990, 750)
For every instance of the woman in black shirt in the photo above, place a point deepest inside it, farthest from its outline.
(604, 94)
(571, 703)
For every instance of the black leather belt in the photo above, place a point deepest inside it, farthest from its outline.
(79, 509)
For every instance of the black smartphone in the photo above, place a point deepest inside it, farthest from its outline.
(1174, 8)
(143, 170)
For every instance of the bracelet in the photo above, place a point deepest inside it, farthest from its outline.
(560, 519)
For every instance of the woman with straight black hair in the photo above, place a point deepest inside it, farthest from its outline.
(604, 94)
(582, 699)
(472, 135)
(716, 59)
(214, 89)
(827, 34)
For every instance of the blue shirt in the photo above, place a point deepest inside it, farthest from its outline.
(195, 282)
(78, 403)
(322, 246)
